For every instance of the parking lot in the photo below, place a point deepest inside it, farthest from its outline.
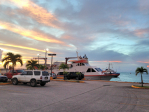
(58, 96)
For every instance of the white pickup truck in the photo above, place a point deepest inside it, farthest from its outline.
(33, 77)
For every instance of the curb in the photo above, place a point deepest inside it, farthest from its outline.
(115, 81)
(69, 81)
(133, 86)
(5, 83)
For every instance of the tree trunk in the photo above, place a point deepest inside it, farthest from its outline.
(141, 80)
(12, 70)
(64, 74)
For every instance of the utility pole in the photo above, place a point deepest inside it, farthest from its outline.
(46, 58)
(51, 60)
(38, 58)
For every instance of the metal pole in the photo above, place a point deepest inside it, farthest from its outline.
(51, 60)
(51, 63)
(38, 59)
(45, 58)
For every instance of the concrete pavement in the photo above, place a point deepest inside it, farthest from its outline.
(91, 96)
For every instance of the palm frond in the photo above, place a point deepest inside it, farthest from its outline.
(6, 63)
(31, 63)
(20, 61)
(10, 57)
(63, 66)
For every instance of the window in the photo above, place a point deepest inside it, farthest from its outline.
(93, 70)
(24, 73)
(19, 71)
(11, 71)
(88, 70)
(44, 73)
(29, 73)
(37, 72)
(83, 64)
(60, 73)
(98, 69)
(86, 64)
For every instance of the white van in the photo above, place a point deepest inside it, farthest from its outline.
(33, 77)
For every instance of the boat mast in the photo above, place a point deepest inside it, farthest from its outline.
(109, 67)
(77, 55)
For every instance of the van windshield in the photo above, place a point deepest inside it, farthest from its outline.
(44, 73)
(20, 71)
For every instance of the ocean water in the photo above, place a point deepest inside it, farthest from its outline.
(131, 77)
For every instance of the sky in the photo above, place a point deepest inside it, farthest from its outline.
(107, 31)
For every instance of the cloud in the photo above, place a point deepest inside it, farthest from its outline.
(22, 47)
(108, 61)
(143, 62)
(107, 31)
(142, 32)
(144, 42)
(36, 12)
(144, 6)
(28, 33)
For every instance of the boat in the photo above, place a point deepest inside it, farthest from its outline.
(82, 65)
(111, 72)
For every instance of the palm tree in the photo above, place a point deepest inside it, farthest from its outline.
(42, 67)
(141, 70)
(12, 58)
(31, 64)
(64, 66)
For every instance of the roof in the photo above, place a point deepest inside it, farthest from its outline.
(78, 61)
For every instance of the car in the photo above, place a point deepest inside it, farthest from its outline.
(54, 76)
(74, 75)
(33, 77)
(10, 73)
(3, 78)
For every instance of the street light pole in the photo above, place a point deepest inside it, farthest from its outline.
(51, 63)
(51, 60)
(46, 58)
(38, 58)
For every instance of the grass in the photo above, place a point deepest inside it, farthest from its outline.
(137, 86)
(143, 86)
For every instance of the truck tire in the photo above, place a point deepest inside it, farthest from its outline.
(68, 78)
(78, 78)
(33, 83)
(43, 84)
(15, 81)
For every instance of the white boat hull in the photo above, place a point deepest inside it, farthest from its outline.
(82, 65)
(98, 77)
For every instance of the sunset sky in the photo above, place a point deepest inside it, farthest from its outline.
(107, 31)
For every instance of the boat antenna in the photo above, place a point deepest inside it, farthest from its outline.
(109, 67)
(77, 54)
